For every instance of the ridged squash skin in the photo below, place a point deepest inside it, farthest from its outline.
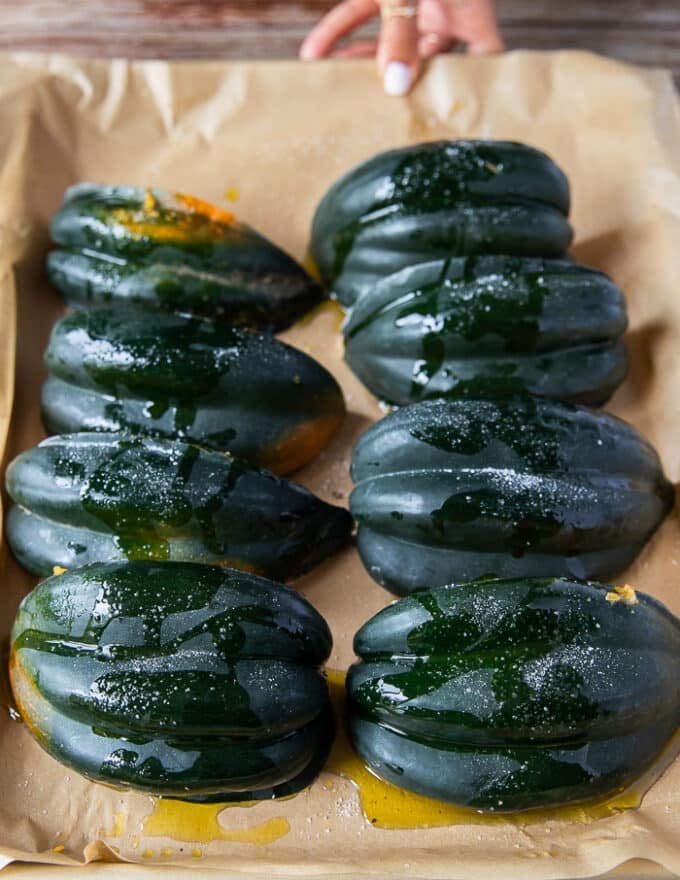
(187, 681)
(174, 252)
(464, 489)
(489, 326)
(433, 200)
(191, 379)
(512, 694)
(82, 498)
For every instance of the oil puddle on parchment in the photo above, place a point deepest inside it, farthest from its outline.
(386, 806)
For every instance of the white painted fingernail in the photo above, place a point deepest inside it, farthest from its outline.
(397, 78)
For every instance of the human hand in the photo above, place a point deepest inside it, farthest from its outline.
(411, 31)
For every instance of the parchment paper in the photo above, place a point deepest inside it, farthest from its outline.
(274, 136)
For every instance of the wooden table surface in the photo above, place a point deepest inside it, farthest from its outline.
(641, 31)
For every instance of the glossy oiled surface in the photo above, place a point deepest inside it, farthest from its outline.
(87, 497)
(281, 144)
(173, 376)
(437, 200)
(516, 694)
(174, 678)
(454, 490)
(172, 251)
(489, 326)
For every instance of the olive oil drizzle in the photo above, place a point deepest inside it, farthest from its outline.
(199, 823)
(388, 807)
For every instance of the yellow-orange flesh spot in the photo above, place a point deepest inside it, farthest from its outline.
(625, 594)
(300, 444)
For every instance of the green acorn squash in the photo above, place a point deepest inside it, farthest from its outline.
(192, 379)
(82, 498)
(183, 680)
(434, 200)
(463, 489)
(489, 326)
(511, 694)
(172, 252)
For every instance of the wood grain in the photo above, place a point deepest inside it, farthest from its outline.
(639, 31)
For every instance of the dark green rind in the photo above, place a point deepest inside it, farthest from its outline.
(245, 770)
(513, 694)
(381, 245)
(509, 779)
(285, 789)
(162, 649)
(166, 606)
(565, 661)
(493, 325)
(177, 377)
(425, 174)
(462, 489)
(212, 268)
(522, 433)
(103, 497)
(444, 198)
(572, 696)
(404, 566)
(475, 508)
(124, 672)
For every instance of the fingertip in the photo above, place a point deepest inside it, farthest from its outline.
(398, 60)
(307, 51)
(397, 79)
(339, 21)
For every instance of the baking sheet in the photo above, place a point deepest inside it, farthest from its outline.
(266, 139)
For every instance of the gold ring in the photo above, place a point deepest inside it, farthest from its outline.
(396, 10)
